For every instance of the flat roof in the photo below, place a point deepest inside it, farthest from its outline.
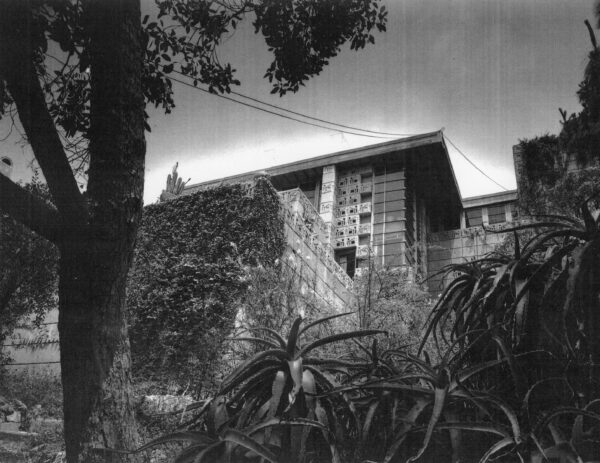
(378, 149)
(492, 198)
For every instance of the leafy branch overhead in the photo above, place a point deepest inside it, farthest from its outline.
(184, 38)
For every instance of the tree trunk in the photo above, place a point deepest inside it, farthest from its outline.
(95, 356)
(95, 234)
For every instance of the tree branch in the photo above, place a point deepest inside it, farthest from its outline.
(17, 58)
(29, 210)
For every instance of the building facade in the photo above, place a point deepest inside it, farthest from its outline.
(394, 204)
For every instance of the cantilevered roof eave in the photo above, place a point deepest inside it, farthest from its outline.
(338, 157)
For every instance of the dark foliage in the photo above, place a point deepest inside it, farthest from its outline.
(192, 259)
(28, 272)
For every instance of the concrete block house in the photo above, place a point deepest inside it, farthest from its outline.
(395, 204)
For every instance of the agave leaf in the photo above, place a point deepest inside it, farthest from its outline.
(501, 444)
(467, 373)
(272, 332)
(293, 338)
(508, 412)
(322, 320)
(200, 456)
(368, 420)
(542, 238)
(295, 369)
(188, 454)
(588, 219)
(244, 440)
(517, 375)
(563, 451)
(325, 380)
(410, 420)
(474, 426)
(559, 411)
(256, 340)
(242, 371)
(249, 383)
(276, 393)
(338, 337)
(501, 272)
(441, 393)
(275, 422)
(194, 437)
(329, 362)
(248, 408)
(441, 307)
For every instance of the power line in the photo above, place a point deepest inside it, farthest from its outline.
(375, 134)
(27, 363)
(30, 344)
(473, 164)
(270, 105)
(276, 113)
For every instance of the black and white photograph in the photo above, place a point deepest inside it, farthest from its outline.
(300, 231)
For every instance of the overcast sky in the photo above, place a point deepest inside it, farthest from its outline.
(488, 72)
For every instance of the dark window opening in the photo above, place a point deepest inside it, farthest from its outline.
(514, 212)
(347, 260)
(496, 214)
(474, 218)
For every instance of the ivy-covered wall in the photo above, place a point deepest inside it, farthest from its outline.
(191, 267)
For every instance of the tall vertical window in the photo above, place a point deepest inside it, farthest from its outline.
(514, 211)
(496, 214)
(474, 217)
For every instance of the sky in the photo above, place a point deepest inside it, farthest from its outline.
(489, 73)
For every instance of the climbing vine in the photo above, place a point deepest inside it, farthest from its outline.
(190, 271)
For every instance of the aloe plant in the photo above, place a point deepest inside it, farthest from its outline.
(284, 382)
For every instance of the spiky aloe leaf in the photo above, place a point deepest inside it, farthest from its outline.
(292, 342)
(276, 393)
(195, 437)
(408, 423)
(275, 334)
(295, 369)
(206, 452)
(322, 320)
(326, 381)
(441, 393)
(244, 440)
(500, 445)
(266, 342)
(189, 454)
(338, 337)
(368, 420)
(250, 384)
(234, 376)
(276, 422)
(473, 426)
(559, 411)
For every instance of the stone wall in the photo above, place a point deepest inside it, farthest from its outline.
(310, 255)
(460, 246)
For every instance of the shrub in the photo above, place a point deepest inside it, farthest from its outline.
(191, 266)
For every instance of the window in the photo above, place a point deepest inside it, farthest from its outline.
(514, 211)
(347, 260)
(474, 217)
(496, 214)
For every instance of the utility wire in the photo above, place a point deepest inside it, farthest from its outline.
(375, 134)
(27, 363)
(276, 113)
(473, 164)
(256, 100)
